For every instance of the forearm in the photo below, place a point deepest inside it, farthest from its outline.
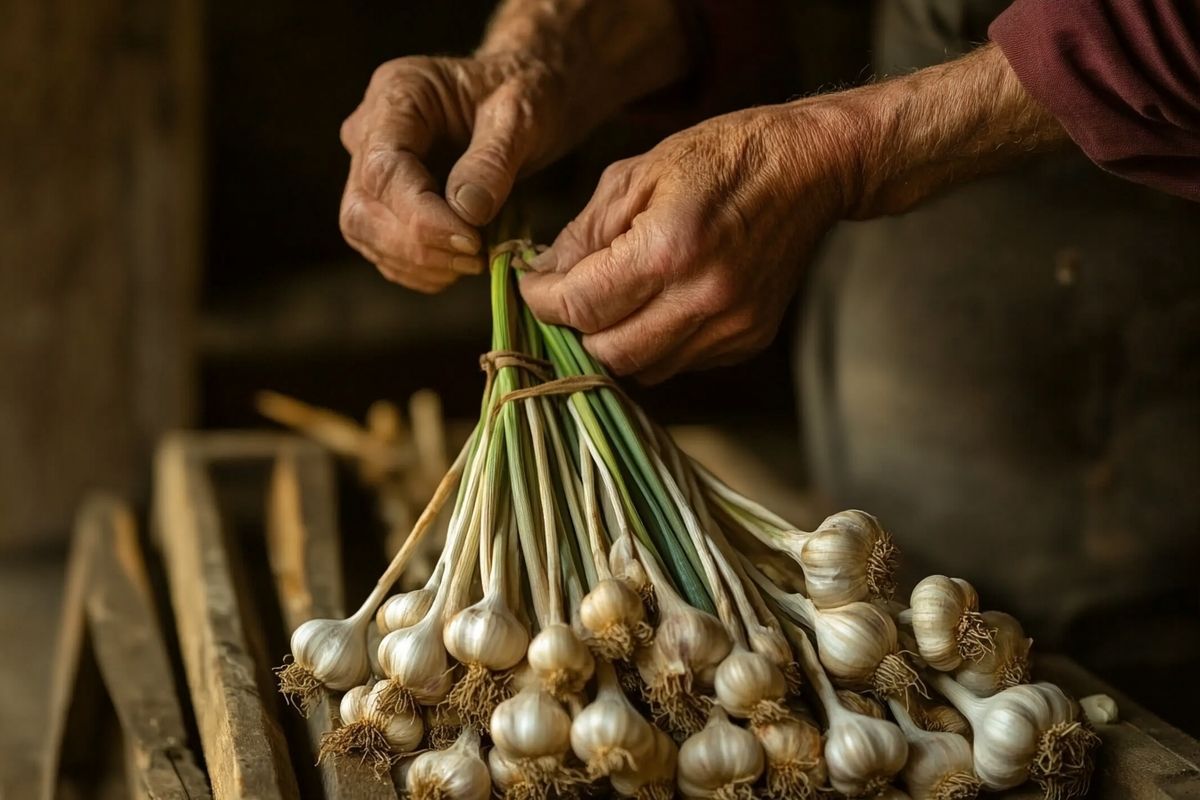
(606, 52)
(905, 139)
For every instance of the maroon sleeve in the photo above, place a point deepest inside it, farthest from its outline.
(1122, 76)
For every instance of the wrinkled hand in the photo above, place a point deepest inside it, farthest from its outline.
(687, 256)
(498, 108)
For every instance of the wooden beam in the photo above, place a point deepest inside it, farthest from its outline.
(302, 542)
(243, 747)
(132, 656)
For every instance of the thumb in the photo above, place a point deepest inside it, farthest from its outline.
(480, 182)
(609, 213)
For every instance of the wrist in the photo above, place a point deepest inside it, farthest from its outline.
(599, 54)
(905, 139)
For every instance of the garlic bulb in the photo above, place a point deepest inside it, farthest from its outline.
(487, 638)
(770, 642)
(1028, 731)
(938, 717)
(609, 734)
(939, 766)
(456, 773)
(795, 762)
(405, 609)
(374, 728)
(687, 644)
(560, 661)
(721, 761)
(861, 704)
(849, 557)
(1007, 664)
(330, 653)
(857, 643)
(749, 686)
(416, 664)
(947, 624)
(861, 753)
(656, 779)
(613, 615)
(530, 778)
(531, 724)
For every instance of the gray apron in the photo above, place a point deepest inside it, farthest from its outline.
(1009, 377)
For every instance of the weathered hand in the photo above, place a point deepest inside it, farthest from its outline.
(499, 108)
(688, 255)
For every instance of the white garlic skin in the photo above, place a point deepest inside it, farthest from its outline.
(1008, 727)
(690, 639)
(403, 730)
(1007, 664)
(531, 724)
(938, 603)
(611, 602)
(852, 641)
(744, 679)
(771, 642)
(403, 610)
(790, 742)
(719, 756)
(660, 768)
(610, 725)
(560, 659)
(416, 659)
(456, 773)
(487, 633)
(931, 758)
(836, 558)
(863, 752)
(334, 650)
(623, 561)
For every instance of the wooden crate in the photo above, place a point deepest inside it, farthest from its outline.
(247, 526)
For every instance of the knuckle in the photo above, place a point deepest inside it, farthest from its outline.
(378, 167)
(619, 360)
(351, 219)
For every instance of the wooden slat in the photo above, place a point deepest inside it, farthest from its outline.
(132, 656)
(243, 748)
(69, 658)
(302, 541)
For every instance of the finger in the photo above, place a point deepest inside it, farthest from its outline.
(645, 338)
(483, 177)
(609, 213)
(408, 275)
(367, 220)
(598, 292)
(719, 342)
(388, 167)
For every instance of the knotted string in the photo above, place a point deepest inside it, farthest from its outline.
(496, 360)
(517, 247)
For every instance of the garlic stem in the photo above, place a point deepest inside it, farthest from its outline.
(554, 606)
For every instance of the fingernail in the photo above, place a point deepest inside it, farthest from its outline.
(464, 244)
(466, 265)
(475, 201)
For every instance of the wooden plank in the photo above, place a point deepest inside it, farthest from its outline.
(243, 748)
(1143, 757)
(132, 657)
(302, 543)
(69, 658)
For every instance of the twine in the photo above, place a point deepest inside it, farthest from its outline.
(493, 361)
